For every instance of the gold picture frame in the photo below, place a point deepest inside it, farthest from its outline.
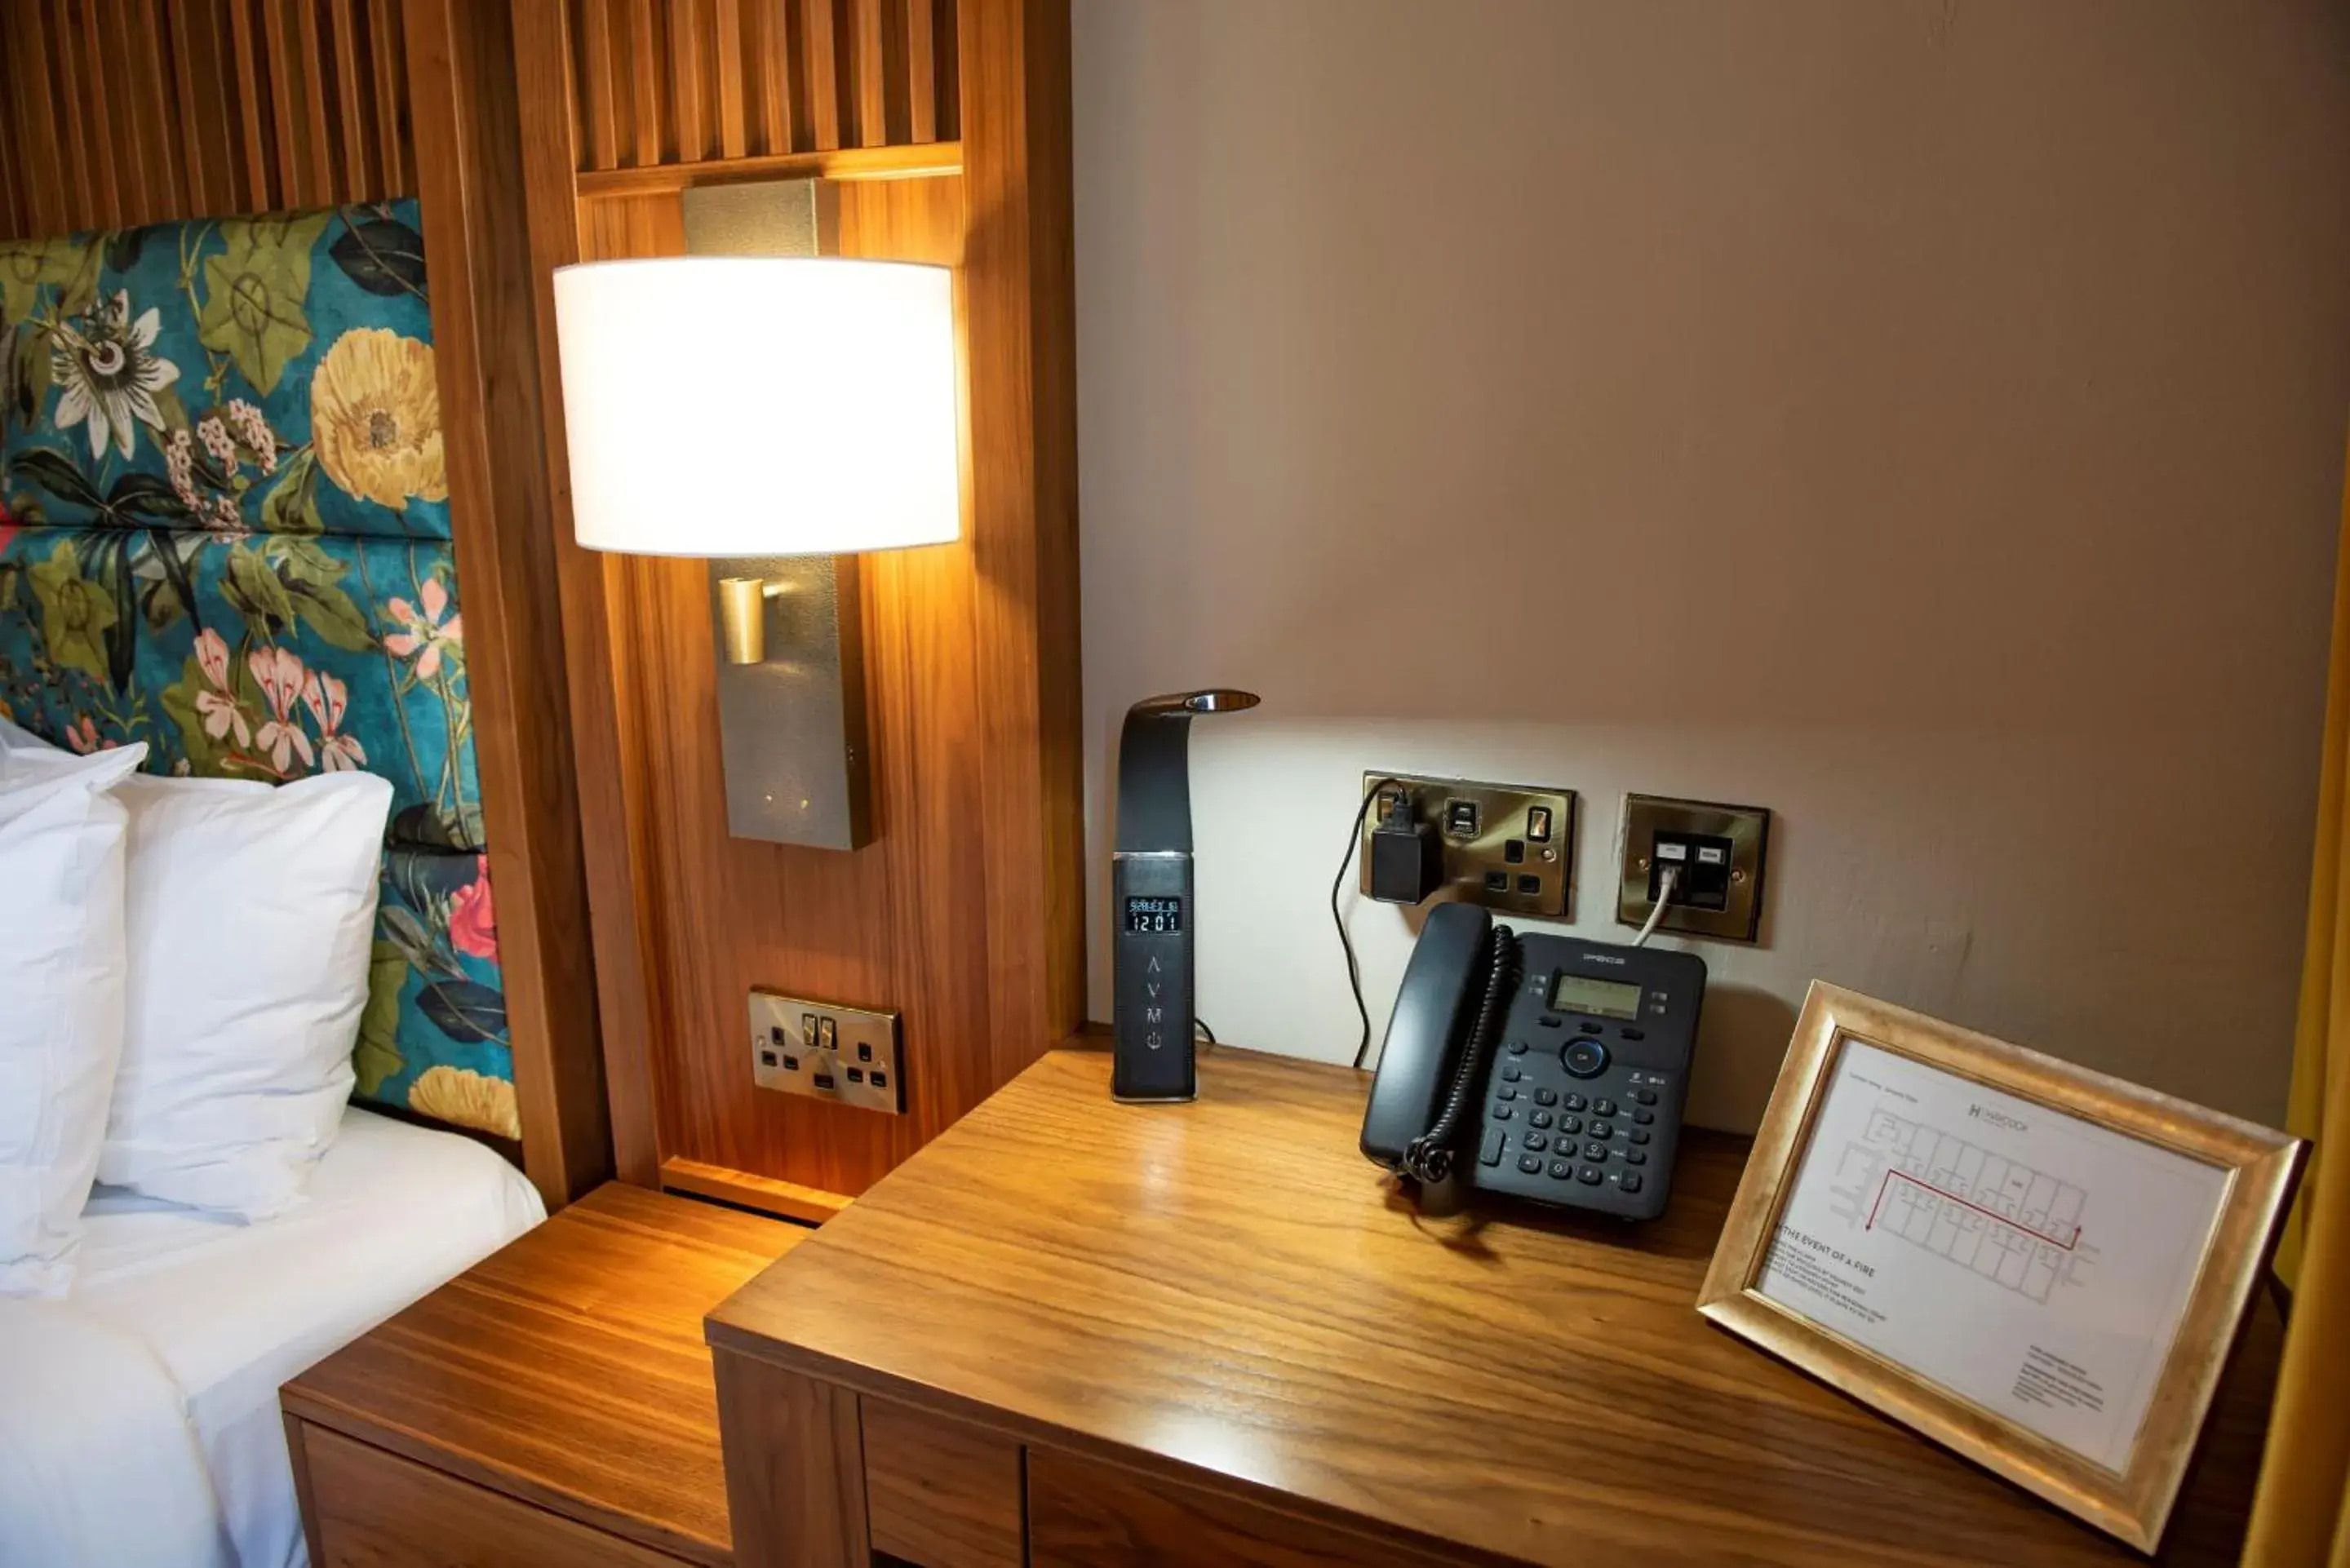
(2257, 1169)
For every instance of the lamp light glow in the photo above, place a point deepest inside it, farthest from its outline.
(749, 406)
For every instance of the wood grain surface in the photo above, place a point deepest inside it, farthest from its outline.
(940, 1492)
(794, 1475)
(671, 81)
(376, 1509)
(966, 914)
(468, 156)
(567, 1371)
(147, 112)
(1225, 1294)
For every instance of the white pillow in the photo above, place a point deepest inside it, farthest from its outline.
(251, 910)
(61, 995)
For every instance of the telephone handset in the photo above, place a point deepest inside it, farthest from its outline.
(1541, 1066)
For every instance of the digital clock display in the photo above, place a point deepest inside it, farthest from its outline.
(1153, 917)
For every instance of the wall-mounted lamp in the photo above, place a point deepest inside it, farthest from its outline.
(752, 408)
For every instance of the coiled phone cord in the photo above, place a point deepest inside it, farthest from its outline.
(1428, 1158)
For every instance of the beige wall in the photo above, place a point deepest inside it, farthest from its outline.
(1923, 419)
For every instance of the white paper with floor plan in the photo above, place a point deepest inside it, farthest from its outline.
(2029, 1261)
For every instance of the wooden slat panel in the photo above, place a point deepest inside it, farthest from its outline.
(689, 35)
(35, 128)
(598, 127)
(82, 101)
(869, 56)
(767, 62)
(283, 68)
(644, 38)
(319, 171)
(201, 97)
(140, 41)
(249, 46)
(820, 65)
(362, 168)
(390, 95)
(733, 122)
(921, 72)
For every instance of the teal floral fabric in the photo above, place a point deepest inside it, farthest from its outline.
(224, 531)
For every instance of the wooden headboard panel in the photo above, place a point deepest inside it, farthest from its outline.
(947, 123)
(122, 112)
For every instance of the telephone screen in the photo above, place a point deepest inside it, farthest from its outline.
(1601, 998)
(1151, 916)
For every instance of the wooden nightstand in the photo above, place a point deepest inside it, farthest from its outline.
(552, 1405)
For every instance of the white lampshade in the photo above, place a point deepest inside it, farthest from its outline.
(759, 405)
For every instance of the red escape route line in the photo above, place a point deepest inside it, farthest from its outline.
(2012, 1224)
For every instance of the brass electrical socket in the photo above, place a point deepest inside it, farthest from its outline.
(1510, 848)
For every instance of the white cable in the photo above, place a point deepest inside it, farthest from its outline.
(1664, 897)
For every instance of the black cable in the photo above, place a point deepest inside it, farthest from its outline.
(1354, 973)
(1206, 1033)
(1429, 1156)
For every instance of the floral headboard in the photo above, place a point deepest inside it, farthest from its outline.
(224, 531)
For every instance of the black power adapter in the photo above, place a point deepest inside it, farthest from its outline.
(1407, 856)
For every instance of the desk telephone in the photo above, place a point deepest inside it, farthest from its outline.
(1542, 1067)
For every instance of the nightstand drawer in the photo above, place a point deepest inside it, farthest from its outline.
(375, 1510)
(1082, 1514)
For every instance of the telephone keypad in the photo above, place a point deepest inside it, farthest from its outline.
(1598, 1098)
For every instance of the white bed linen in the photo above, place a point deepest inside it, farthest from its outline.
(224, 1312)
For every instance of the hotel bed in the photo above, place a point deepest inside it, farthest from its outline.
(138, 1419)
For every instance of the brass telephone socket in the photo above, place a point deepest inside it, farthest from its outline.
(1510, 848)
(1719, 850)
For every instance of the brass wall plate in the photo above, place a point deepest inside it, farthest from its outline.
(850, 1056)
(1507, 847)
(1720, 851)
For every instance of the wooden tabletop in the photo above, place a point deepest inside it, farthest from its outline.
(567, 1369)
(1227, 1292)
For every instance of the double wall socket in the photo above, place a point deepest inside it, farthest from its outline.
(1715, 856)
(1507, 847)
(848, 1054)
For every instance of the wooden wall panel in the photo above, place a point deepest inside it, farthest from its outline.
(142, 111)
(965, 912)
(664, 82)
